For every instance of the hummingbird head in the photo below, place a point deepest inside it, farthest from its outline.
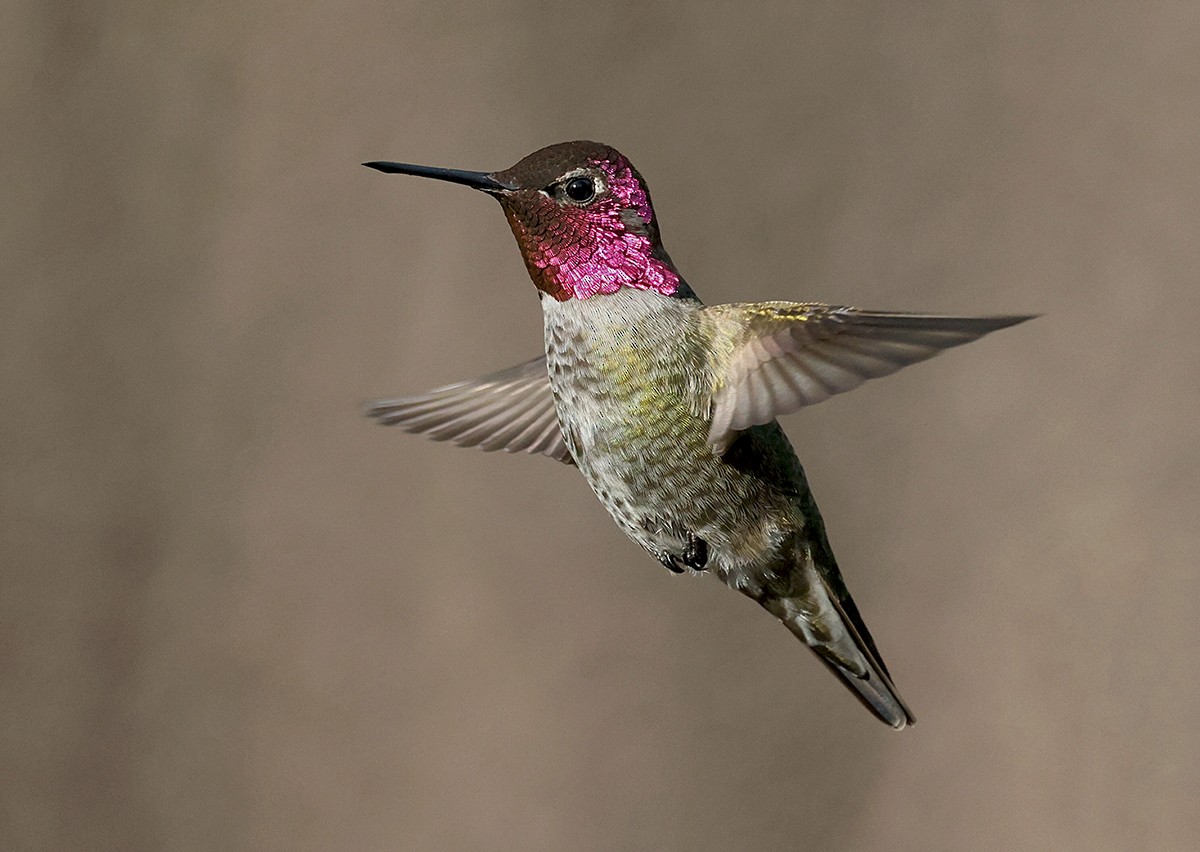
(582, 217)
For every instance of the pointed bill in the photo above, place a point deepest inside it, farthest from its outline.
(782, 356)
(512, 410)
(482, 181)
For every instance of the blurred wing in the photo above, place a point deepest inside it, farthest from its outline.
(512, 410)
(782, 356)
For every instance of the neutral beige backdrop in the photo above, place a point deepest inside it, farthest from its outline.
(234, 615)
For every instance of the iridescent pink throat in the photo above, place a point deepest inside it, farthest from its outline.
(580, 252)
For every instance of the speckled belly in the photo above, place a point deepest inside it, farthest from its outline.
(630, 402)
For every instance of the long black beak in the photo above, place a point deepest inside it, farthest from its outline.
(475, 180)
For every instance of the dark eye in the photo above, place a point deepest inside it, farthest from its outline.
(581, 190)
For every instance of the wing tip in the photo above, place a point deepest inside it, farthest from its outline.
(377, 410)
(1000, 321)
(942, 322)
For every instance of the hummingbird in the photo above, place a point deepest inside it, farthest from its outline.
(668, 406)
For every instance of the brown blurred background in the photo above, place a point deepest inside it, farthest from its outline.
(237, 616)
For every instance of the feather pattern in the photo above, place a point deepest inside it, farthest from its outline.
(779, 357)
(512, 410)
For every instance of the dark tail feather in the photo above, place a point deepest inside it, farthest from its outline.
(876, 692)
(833, 629)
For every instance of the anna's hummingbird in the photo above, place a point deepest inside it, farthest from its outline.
(667, 406)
